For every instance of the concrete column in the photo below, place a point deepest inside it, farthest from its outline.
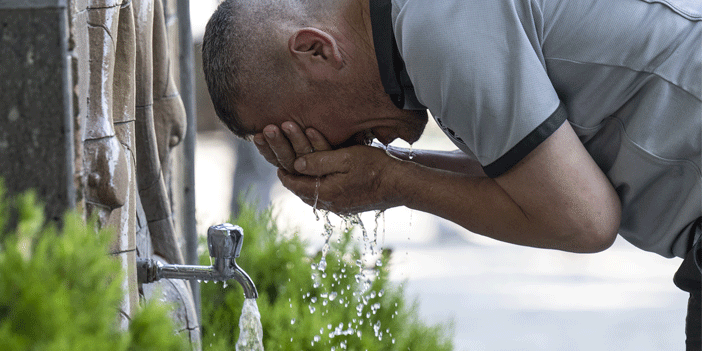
(36, 120)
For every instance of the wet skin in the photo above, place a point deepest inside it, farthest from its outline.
(517, 207)
(349, 174)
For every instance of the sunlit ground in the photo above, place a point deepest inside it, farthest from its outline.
(500, 296)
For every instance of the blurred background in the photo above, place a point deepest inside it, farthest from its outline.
(499, 296)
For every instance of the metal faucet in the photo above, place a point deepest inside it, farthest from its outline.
(224, 244)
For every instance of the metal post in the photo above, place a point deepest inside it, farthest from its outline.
(187, 93)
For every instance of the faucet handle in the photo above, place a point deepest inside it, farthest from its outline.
(225, 240)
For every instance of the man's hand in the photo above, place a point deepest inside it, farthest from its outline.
(281, 146)
(345, 181)
(556, 197)
(348, 180)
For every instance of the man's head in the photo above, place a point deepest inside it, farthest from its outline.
(311, 62)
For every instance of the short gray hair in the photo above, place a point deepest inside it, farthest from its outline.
(240, 62)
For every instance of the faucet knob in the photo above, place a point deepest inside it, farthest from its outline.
(225, 240)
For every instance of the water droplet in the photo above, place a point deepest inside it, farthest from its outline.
(332, 296)
(312, 309)
(316, 198)
(292, 321)
(379, 263)
(313, 299)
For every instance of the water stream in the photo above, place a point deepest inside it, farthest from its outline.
(316, 198)
(251, 332)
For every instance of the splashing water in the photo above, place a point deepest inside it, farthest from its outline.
(328, 231)
(378, 214)
(250, 329)
(316, 198)
(362, 295)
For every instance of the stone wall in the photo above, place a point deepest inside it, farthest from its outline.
(91, 117)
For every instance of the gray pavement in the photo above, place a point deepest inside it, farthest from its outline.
(510, 298)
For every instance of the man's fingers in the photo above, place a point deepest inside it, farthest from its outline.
(280, 146)
(318, 141)
(297, 138)
(324, 162)
(304, 187)
(265, 150)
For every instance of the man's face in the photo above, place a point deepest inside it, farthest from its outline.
(345, 124)
(363, 124)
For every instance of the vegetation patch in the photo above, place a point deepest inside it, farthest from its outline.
(304, 307)
(61, 289)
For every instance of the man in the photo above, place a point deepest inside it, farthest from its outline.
(311, 82)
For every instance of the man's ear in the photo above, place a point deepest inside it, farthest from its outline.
(313, 47)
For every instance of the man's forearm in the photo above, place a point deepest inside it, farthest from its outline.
(556, 197)
(478, 204)
(453, 161)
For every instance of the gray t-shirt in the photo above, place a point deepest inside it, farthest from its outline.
(501, 76)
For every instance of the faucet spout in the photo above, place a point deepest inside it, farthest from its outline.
(246, 283)
(224, 242)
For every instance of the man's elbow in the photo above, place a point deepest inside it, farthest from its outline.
(597, 233)
(597, 241)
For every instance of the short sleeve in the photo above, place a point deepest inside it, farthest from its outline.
(478, 67)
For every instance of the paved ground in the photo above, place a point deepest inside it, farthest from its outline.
(500, 297)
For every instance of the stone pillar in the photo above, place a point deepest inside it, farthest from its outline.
(36, 125)
(102, 48)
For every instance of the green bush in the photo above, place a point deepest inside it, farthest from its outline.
(304, 308)
(61, 290)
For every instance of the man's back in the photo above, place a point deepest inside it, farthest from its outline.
(628, 75)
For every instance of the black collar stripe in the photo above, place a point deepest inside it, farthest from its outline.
(393, 74)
